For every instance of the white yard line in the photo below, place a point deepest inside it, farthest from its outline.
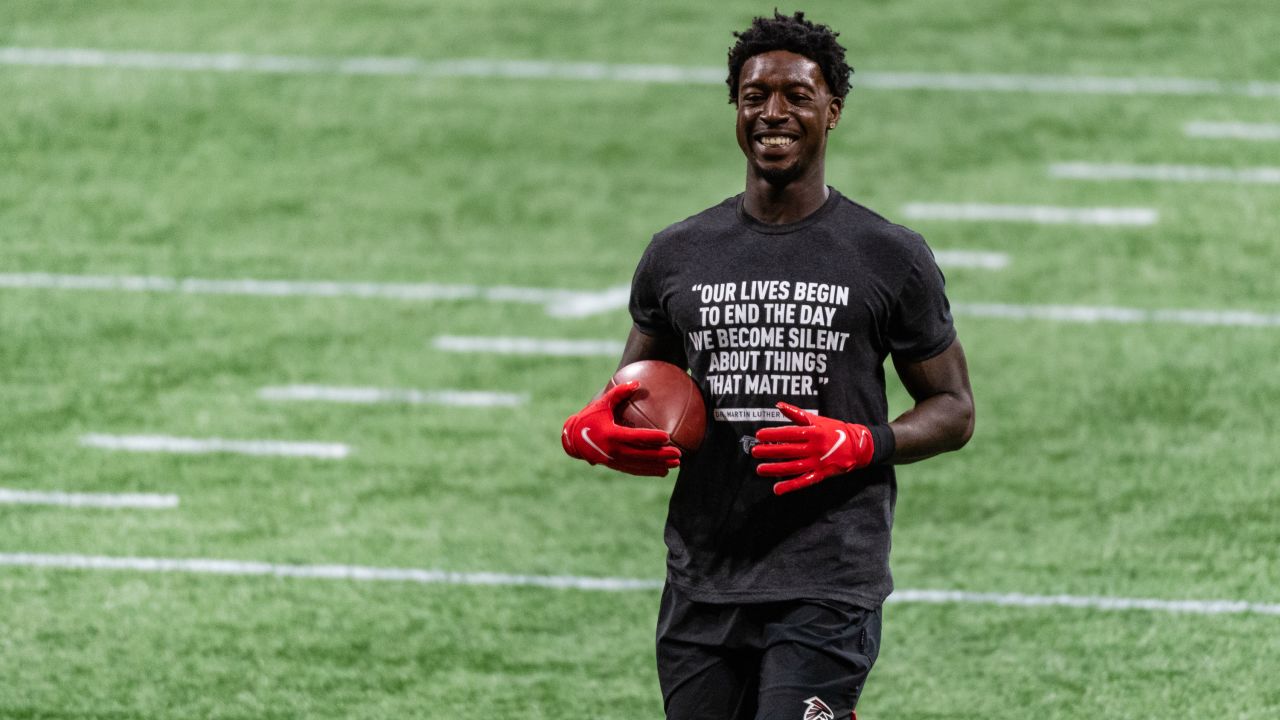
(360, 573)
(528, 346)
(1131, 316)
(558, 302)
(1233, 130)
(976, 259)
(9, 496)
(373, 395)
(1043, 214)
(328, 572)
(587, 304)
(1164, 173)
(185, 445)
(1092, 602)
(591, 71)
(1066, 84)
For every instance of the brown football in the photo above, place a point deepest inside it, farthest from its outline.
(668, 399)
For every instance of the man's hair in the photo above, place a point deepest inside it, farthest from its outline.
(797, 35)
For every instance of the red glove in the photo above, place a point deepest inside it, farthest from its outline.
(817, 448)
(594, 436)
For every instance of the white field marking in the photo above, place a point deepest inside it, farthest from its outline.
(169, 444)
(528, 346)
(977, 259)
(1164, 173)
(1097, 314)
(1091, 602)
(1232, 130)
(327, 572)
(591, 71)
(370, 395)
(1043, 214)
(558, 302)
(586, 304)
(9, 496)
(360, 573)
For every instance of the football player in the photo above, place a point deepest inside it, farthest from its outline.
(784, 302)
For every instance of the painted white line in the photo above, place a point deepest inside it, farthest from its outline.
(559, 70)
(1091, 602)
(558, 302)
(327, 572)
(528, 346)
(9, 496)
(169, 444)
(272, 288)
(1059, 84)
(1101, 314)
(590, 71)
(1233, 130)
(224, 62)
(976, 259)
(1165, 173)
(360, 573)
(370, 395)
(1043, 214)
(587, 304)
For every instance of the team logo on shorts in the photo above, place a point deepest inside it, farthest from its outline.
(815, 709)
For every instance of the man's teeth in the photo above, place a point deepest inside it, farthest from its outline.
(775, 140)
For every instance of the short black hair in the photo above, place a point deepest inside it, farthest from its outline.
(795, 34)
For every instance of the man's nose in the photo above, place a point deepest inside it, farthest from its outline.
(774, 110)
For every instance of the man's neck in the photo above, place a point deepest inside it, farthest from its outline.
(779, 205)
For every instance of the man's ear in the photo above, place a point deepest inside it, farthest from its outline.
(833, 112)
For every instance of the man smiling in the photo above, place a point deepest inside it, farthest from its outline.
(784, 302)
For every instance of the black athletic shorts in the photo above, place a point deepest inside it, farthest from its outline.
(793, 660)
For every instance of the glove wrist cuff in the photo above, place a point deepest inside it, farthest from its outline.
(883, 443)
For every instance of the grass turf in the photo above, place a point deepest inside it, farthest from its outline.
(1132, 461)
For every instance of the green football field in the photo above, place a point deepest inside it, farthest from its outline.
(201, 202)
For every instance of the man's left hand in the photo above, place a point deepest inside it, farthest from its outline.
(815, 448)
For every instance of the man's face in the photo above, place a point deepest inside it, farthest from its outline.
(784, 112)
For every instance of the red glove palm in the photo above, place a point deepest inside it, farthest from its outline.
(816, 447)
(593, 435)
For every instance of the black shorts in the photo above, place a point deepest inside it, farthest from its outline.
(794, 660)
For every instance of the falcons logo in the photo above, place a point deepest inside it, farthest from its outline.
(815, 709)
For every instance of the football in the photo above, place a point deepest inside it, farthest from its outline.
(668, 400)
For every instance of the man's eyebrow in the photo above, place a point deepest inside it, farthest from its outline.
(790, 83)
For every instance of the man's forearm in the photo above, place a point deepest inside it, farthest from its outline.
(939, 423)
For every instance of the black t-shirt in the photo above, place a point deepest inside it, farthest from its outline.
(805, 313)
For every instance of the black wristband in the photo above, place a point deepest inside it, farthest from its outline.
(882, 443)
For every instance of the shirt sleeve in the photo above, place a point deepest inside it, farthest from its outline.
(920, 325)
(645, 305)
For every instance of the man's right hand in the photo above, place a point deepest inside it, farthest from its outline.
(594, 436)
